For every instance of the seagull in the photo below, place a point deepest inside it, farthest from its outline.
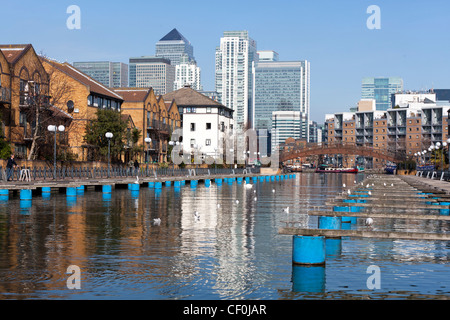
(286, 209)
(157, 221)
(218, 205)
(273, 190)
(348, 191)
(256, 198)
(137, 180)
(367, 186)
(343, 185)
(196, 216)
(392, 184)
(385, 184)
(368, 222)
(237, 201)
(370, 193)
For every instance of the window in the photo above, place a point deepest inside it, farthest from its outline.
(192, 143)
(207, 142)
(192, 126)
(208, 126)
(208, 110)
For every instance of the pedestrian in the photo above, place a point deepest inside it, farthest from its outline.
(136, 164)
(10, 166)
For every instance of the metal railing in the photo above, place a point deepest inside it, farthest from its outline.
(117, 172)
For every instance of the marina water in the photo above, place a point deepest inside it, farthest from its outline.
(231, 251)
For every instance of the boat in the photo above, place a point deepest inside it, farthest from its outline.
(390, 168)
(296, 168)
(361, 169)
(326, 169)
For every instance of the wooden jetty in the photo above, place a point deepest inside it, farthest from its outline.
(409, 216)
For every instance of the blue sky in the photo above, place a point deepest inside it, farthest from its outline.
(413, 42)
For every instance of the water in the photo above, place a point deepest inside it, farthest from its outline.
(233, 252)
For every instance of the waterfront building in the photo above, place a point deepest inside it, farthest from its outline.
(233, 75)
(287, 124)
(154, 117)
(187, 73)
(175, 48)
(206, 123)
(280, 86)
(381, 89)
(414, 124)
(78, 97)
(154, 72)
(110, 74)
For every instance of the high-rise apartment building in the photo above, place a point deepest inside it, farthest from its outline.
(268, 55)
(187, 73)
(280, 86)
(381, 89)
(234, 58)
(153, 72)
(173, 46)
(287, 124)
(110, 74)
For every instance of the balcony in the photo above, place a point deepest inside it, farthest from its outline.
(5, 95)
(26, 100)
(159, 126)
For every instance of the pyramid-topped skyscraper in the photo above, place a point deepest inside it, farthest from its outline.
(173, 46)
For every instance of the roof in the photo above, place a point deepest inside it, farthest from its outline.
(133, 94)
(13, 52)
(174, 35)
(187, 96)
(83, 78)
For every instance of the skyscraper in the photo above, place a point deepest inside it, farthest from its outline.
(280, 86)
(110, 74)
(381, 89)
(187, 73)
(287, 124)
(234, 58)
(153, 72)
(173, 46)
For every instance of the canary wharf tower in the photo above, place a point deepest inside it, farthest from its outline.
(173, 46)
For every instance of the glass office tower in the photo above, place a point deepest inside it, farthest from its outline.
(280, 86)
(381, 89)
(110, 74)
(153, 72)
(173, 46)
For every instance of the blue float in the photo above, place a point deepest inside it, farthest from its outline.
(46, 190)
(219, 182)
(4, 194)
(106, 196)
(308, 250)
(239, 180)
(333, 248)
(106, 188)
(80, 189)
(151, 184)
(332, 223)
(168, 183)
(194, 183)
(134, 194)
(158, 185)
(177, 184)
(71, 191)
(247, 179)
(183, 182)
(207, 183)
(278, 178)
(25, 194)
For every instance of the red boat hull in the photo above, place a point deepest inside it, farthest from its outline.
(336, 170)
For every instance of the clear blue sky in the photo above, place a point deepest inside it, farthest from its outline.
(413, 42)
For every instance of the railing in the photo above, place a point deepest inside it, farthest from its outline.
(63, 173)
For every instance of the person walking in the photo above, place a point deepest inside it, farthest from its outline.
(10, 166)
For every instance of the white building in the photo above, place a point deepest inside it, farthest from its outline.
(187, 73)
(268, 55)
(287, 124)
(234, 58)
(206, 123)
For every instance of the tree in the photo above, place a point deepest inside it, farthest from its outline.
(107, 121)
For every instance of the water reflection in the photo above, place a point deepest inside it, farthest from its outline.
(233, 251)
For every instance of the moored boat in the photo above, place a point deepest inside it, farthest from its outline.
(326, 169)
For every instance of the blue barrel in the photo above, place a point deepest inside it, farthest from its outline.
(4, 193)
(239, 180)
(46, 190)
(309, 279)
(282, 177)
(134, 186)
(177, 184)
(308, 250)
(272, 178)
(4, 198)
(183, 182)
(194, 183)
(80, 189)
(247, 179)
(207, 183)
(106, 188)
(71, 191)
(219, 182)
(151, 184)
(158, 185)
(267, 178)
(25, 194)
(168, 183)
(25, 206)
(134, 194)
(255, 179)
(107, 196)
(278, 178)
(261, 179)
(333, 248)
(333, 223)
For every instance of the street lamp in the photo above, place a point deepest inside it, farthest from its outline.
(109, 136)
(147, 141)
(55, 129)
(438, 146)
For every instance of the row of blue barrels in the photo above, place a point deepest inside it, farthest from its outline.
(313, 250)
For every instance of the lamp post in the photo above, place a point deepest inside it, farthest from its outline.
(109, 136)
(438, 146)
(147, 141)
(55, 129)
